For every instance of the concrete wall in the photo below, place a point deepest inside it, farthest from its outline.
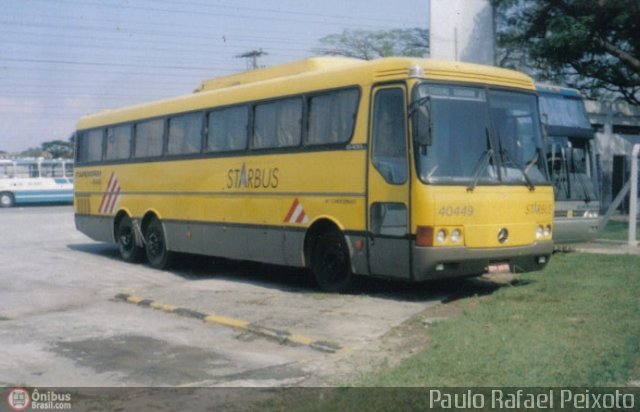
(462, 30)
(607, 118)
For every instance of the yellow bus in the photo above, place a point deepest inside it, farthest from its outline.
(405, 168)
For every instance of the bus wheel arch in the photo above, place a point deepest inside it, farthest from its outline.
(127, 237)
(7, 199)
(328, 256)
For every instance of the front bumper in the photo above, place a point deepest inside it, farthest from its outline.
(449, 262)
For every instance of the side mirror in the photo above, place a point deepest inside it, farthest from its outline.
(421, 120)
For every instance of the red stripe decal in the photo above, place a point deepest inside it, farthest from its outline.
(106, 195)
(291, 210)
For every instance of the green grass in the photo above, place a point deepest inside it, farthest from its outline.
(573, 324)
(617, 231)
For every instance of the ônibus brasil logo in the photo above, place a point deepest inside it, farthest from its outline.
(19, 399)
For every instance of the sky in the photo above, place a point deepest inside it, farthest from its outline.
(61, 59)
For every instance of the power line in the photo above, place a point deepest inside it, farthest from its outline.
(196, 46)
(293, 13)
(245, 16)
(94, 71)
(107, 64)
(197, 51)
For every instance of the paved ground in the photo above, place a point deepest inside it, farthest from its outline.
(61, 326)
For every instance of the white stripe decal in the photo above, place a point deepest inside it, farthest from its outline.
(296, 213)
(111, 196)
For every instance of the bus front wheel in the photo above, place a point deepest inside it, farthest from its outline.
(126, 239)
(7, 199)
(331, 263)
(156, 246)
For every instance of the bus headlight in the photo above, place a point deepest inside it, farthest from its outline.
(547, 231)
(591, 214)
(539, 232)
(456, 235)
(441, 236)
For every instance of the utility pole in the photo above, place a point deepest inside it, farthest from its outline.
(252, 58)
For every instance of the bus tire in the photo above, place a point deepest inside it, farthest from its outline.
(156, 245)
(126, 240)
(331, 264)
(7, 199)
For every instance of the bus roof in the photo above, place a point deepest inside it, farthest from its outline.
(317, 73)
(553, 89)
(316, 64)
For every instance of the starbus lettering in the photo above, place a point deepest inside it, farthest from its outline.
(539, 209)
(253, 178)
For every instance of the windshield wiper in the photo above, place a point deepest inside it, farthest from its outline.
(483, 163)
(504, 153)
(533, 160)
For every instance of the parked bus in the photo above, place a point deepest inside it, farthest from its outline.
(29, 181)
(405, 168)
(571, 162)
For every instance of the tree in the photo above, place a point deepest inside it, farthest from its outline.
(58, 148)
(368, 44)
(35, 152)
(589, 44)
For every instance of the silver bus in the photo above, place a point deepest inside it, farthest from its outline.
(571, 161)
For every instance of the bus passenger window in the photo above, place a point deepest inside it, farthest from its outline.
(149, 137)
(389, 135)
(332, 116)
(118, 142)
(227, 129)
(185, 134)
(278, 124)
(90, 146)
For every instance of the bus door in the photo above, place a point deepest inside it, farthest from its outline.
(388, 184)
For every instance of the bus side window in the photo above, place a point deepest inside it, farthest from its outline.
(332, 117)
(389, 135)
(278, 124)
(227, 129)
(118, 142)
(90, 146)
(185, 134)
(149, 137)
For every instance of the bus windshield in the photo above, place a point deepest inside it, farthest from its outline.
(570, 164)
(559, 110)
(480, 135)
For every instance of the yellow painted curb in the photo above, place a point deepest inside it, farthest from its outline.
(301, 340)
(225, 321)
(281, 336)
(134, 299)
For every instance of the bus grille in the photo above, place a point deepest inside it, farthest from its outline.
(83, 205)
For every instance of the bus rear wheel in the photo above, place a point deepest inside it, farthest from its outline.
(156, 246)
(126, 239)
(331, 263)
(7, 199)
